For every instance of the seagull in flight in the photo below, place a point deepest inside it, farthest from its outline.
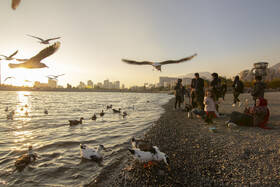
(15, 4)
(35, 61)
(9, 78)
(54, 77)
(42, 41)
(11, 56)
(158, 65)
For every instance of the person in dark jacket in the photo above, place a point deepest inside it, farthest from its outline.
(178, 94)
(197, 90)
(215, 86)
(238, 87)
(258, 89)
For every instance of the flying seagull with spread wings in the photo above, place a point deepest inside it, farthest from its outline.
(54, 77)
(9, 78)
(15, 4)
(158, 65)
(42, 41)
(11, 56)
(35, 61)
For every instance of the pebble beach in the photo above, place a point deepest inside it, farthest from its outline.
(239, 156)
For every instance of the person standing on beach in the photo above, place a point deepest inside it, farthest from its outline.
(258, 89)
(197, 86)
(238, 88)
(210, 108)
(215, 85)
(178, 94)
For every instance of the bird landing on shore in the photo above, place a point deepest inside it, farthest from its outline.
(158, 65)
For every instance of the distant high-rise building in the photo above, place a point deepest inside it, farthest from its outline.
(99, 85)
(123, 87)
(52, 83)
(82, 85)
(69, 86)
(166, 79)
(117, 85)
(106, 84)
(90, 84)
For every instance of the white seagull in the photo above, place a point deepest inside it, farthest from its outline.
(11, 56)
(158, 65)
(91, 154)
(54, 77)
(153, 154)
(9, 78)
(42, 41)
(35, 61)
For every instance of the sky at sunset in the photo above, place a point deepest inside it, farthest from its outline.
(228, 36)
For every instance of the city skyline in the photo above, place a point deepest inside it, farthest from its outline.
(99, 34)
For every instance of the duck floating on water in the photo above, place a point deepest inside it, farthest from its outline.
(149, 155)
(102, 113)
(75, 122)
(124, 114)
(91, 154)
(45, 111)
(26, 159)
(94, 117)
(110, 106)
(21, 109)
(10, 116)
(117, 111)
(7, 109)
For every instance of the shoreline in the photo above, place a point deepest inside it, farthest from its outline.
(199, 157)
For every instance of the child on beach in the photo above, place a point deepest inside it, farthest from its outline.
(210, 108)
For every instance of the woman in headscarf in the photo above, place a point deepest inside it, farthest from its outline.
(257, 116)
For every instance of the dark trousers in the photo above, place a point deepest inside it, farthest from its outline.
(178, 99)
(209, 117)
(235, 96)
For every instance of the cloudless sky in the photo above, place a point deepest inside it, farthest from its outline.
(228, 36)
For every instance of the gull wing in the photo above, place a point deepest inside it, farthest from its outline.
(45, 52)
(15, 4)
(177, 61)
(8, 78)
(137, 63)
(53, 38)
(35, 37)
(22, 60)
(4, 56)
(13, 54)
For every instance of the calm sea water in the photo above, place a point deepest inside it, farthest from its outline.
(57, 144)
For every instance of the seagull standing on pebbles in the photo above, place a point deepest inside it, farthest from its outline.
(158, 65)
(35, 61)
(42, 41)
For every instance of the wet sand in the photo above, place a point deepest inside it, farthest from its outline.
(199, 157)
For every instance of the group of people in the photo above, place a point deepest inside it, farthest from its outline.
(205, 104)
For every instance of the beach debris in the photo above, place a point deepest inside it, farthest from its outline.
(76, 122)
(42, 41)
(26, 159)
(35, 61)
(91, 154)
(158, 65)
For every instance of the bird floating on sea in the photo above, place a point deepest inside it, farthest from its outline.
(42, 41)
(117, 111)
(110, 106)
(26, 159)
(10, 57)
(45, 111)
(124, 114)
(76, 122)
(7, 109)
(158, 65)
(35, 61)
(91, 154)
(102, 113)
(15, 4)
(94, 117)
